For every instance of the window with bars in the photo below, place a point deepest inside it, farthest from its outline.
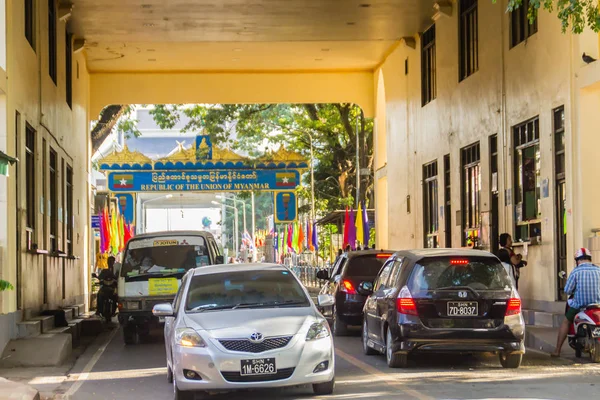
(527, 180)
(447, 202)
(468, 38)
(53, 204)
(470, 194)
(52, 66)
(428, 78)
(30, 22)
(521, 27)
(559, 142)
(69, 210)
(430, 205)
(30, 182)
(69, 68)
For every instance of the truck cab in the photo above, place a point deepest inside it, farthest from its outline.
(151, 271)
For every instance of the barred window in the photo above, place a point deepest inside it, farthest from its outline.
(428, 78)
(430, 204)
(468, 38)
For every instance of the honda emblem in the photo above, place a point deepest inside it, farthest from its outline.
(462, 295)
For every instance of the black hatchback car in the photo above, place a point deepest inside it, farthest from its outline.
(443, 300)
(347, 273)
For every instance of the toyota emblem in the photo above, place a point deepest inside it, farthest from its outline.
(462, 294)
(256, 337)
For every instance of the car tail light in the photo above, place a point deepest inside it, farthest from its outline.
(347, 287)
(405, 303)
(383, 255)
(459, 262)
(513, 307)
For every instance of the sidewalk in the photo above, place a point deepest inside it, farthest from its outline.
(12, 391)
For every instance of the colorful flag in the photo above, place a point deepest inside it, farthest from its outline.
(352, 231)
(366, 227)
(346, 228)
(290, 237)
(300, 238)
(315, 238)
(309, 236)
(123, 181)
(359, 225)
(295, 234)
(285, 179)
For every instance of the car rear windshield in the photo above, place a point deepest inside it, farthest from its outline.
(247, 289)
(478, 273)
(367, 265)
(164, 256)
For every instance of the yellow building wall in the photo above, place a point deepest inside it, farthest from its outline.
(469, 111)
(41, 104)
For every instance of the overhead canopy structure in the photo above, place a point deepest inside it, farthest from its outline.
(337, 218)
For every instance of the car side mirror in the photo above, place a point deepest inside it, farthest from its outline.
(163, 310)
(220, 259)
(365, 288)
(325, 300)
(562, 274)
(323, 274)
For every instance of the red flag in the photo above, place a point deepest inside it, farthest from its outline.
(346, 228)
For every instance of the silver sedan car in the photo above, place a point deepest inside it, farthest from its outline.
(245, 326)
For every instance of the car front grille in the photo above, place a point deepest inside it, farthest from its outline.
(284, 373)
(246, 346)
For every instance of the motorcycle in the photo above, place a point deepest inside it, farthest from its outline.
(108, 291)
(584, 332)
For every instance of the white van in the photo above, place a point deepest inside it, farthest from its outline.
(151, 272)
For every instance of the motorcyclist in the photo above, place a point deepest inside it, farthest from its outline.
(584, 286)
(106, 275)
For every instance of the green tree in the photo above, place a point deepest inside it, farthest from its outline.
(332, 128)
(576, 14)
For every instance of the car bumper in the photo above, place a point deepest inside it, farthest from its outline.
(509, 337)
(295, 365)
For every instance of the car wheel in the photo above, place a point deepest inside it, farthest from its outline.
(130, 335)
(169, 374)
(365, 338)
(510, 360)
(394, 360)
(321, 389)
(595, 352)
(339, 328)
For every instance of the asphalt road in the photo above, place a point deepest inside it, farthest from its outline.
(111, 370)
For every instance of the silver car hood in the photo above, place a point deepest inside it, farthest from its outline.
(230, 324)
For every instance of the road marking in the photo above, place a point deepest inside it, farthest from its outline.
(90, 365)
(389, 379)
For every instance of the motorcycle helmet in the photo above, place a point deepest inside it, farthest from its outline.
(583, 254)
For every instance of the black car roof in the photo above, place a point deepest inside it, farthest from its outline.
(419, 254)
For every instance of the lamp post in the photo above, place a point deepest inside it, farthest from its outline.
(168, 196)
(235, 201)
(236, 230)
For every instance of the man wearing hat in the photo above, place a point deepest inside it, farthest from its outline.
(584, 286)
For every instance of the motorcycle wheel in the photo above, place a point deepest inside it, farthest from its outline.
(595, 352)
(107, 312)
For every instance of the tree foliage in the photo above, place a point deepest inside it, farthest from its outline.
(574, 14)
(4, 285)
(332, 128)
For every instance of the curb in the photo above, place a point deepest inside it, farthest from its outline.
(14, 390)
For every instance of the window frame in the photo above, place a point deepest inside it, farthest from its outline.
(69, 68)
(428, 66)
(52, 41)
(381, 281)
(519, 27)
(447, 202)
(470, 161)
(431, 221)
(468, 38)
(30, 184)
(69, 218)
(29, 22)
(523, 224)
(53, 200)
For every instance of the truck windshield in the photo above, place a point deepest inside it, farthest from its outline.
(164, 256)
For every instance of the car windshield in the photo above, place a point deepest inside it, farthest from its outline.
(478, 273)
(164, 256)
(245, 289)
(367, 265)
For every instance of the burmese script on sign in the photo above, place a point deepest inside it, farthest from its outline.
(215, 181)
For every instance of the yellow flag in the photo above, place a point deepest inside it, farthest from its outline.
(359, 225)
